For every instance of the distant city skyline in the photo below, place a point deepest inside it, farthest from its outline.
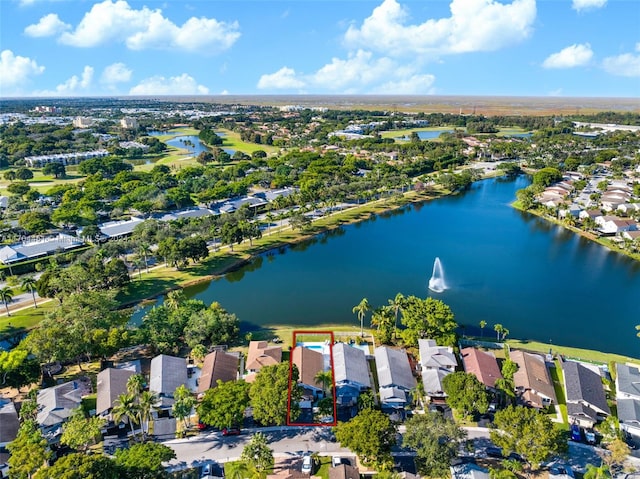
(581, 48)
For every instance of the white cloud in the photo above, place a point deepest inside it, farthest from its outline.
(116, 21)
(28, 3)
(179, 85)
(626, 65)
(285, 78)
(576, 55)
(580, 5)
(474, 25)
(116, 73)
(360, 72)
(15, 71)
(76, 85)
(47, 26)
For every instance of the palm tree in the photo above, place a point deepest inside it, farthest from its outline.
(361, 310)
(397, 303)
(483, 323)
(29, 284)
(135, 384)
(125, 406)
(174, 298)
(144, 250)
(324, 378)
(147, 402)
(6, 295)
(238, 470)
(498, 328)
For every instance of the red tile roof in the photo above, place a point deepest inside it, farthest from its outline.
(482, 364)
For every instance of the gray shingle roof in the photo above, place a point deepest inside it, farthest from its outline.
(584, 385)
(629, 411)
(350, 364)
(38, 247)
(56, 403)
(113, 229)
(394, 368)
(580, 410)
(9, 423)
(167, 374)
(110, 384)
(434, 356)
(628, 380)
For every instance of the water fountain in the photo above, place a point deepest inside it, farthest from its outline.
(436, 283)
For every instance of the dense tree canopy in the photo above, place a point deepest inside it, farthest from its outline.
(428, 319)
(81, 466)
(269, 395)
(465, 393)
(224, 405)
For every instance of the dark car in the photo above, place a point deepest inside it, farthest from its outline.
(576, 433)
(231, 431)
(493, 451)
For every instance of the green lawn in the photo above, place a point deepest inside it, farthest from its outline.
(24, 319)
(558, 386)
(569, 352)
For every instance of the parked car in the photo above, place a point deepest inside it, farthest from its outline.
(336, 461)
(231, 431)
(576, 433)
(493, 451)
(307, 464)
(590, 436)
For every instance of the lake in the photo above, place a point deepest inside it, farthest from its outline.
(198, 147)
(501, 265)
(431, 134)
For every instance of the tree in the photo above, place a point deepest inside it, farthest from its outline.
(396, 304)
(615, 454)
(483, 323)
(19, 189)
(147, 403)
(80, 466)
(10, 175)
(29, 451)
(79, 432)
(214, 325)
(382, 319)
(28, 283)
(498, 328)
(269, 395)
(18, 368)
(366, 400)
(238, 470)
(299, 221)
(24, 174)
(34, 222)
(183, 404)
(370, 434)
(325, 378)
(526, 197)
(125, 407)
(144, 461)
(258, 454)
(547, 176)
(55, 169)
(6, 296)
(361, 310)
(428, 318)
(224, 405)
(527, 432)
(465, 393)
(435, 439)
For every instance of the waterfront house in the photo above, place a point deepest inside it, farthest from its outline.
(9, 423)
(630, 235)
(167, 374)
(628, 398)
(586, 399)
(395, 377)
(111, 383)
(218, 366)
(592, 214)
(309, 363)
(611, 225)
(351, 373)
(532, 380)
(483, 365)
(55, 404)
(436, 362)
(260, 355)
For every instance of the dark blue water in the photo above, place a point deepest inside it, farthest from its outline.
(538, 280)
(199, 147)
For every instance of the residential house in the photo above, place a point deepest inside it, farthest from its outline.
(55, 404)
(166, 375)
(395, 377)
(38, 247)
(630, 235)
(532, 380)
(611, 225)
(436, 362)
(351, 373)
(344, 471)
(218, 366)
(111, 383)
(260, 355)
(468, 470)
(592, 214)
(586, 399)
(309, 363)
(482, 365)
(119, 229)
(628, 398)
(9, 423)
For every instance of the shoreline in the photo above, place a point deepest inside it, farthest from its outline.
(580, 232)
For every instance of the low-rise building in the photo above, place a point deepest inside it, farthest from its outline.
(586, 399)
(111, 383)
(56, 404)
(532, 380)
(166, 375)
(351, 373)
(436, 363)
(482, 365)
(218, 366)
(395, 377)
(37, 247)
(628, 398)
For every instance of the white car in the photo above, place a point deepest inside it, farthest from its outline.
(336, 461)
(307, 464)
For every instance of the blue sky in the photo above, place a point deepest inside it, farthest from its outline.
(441, 47)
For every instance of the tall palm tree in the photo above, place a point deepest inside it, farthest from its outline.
(135, 384)
(125, 407)
(6, 295)
(174, 298)
(483, 323)
(239, 470)
(361, 310)
(29, 284)
(397, 304)
(147, 402)
(324, 378)
(144, 250)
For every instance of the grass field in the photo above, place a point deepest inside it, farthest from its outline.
(570, 353)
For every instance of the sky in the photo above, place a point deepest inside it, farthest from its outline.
(68, 48)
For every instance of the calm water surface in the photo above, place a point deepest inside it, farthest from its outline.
(538, 280)
(199, 147)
